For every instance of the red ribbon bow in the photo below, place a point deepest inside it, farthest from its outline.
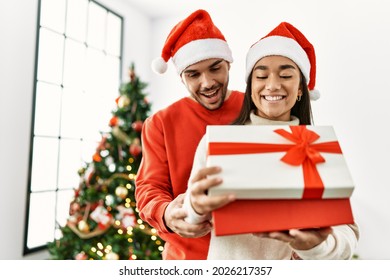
(304, 152)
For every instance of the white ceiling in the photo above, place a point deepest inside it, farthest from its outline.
(163, 8)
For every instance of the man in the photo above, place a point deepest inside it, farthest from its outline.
(202, 59)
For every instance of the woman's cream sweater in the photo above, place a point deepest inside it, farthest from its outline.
(340, 244)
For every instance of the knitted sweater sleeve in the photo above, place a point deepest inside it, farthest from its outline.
(199, 162)
(153, 191)
(340, 245)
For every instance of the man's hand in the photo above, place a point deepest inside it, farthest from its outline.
(174, 219)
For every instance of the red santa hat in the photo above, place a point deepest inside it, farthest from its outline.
(288, 41)
(192, 40)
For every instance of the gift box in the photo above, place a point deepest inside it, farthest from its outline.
(283, 177)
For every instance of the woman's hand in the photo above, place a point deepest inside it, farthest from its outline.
(303, 239)
(200, 184)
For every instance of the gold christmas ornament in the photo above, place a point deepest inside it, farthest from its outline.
(137, 141)
(112, 256)
(123, 101)
(86, 235)
(121, 192)
(83, 226)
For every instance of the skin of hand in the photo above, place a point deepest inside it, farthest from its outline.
(303, 239)
(174, 219)
(200, 184)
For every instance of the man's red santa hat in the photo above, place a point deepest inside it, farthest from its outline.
(192, 40)
(288, 41)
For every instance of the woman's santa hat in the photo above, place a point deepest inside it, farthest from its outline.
(192, 40)
(288, 41)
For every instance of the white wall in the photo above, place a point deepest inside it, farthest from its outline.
(18, 23)
(16, 88)
(352, 44)
(351, 40)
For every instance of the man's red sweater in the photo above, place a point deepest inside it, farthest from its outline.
(169, 141)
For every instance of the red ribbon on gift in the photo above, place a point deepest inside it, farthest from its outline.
(304, 152)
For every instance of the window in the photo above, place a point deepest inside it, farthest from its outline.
(77, 77)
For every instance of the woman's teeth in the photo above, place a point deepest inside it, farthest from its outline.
(273, 98)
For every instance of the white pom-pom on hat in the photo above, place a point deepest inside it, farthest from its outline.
(314, 94)
(159, 65)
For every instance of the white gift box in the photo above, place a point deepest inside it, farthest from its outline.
(263, 175)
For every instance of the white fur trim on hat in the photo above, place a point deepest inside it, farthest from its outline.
(198, 50)
(278, 45)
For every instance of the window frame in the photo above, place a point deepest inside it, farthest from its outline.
(26, 249)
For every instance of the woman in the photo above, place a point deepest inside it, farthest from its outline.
(280, 74)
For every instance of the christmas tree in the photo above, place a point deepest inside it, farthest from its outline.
(103, 219)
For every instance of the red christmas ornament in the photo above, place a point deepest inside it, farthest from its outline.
(114, 121)
(81, 256)
(97, 158)
(137, 126)
(135, 150)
